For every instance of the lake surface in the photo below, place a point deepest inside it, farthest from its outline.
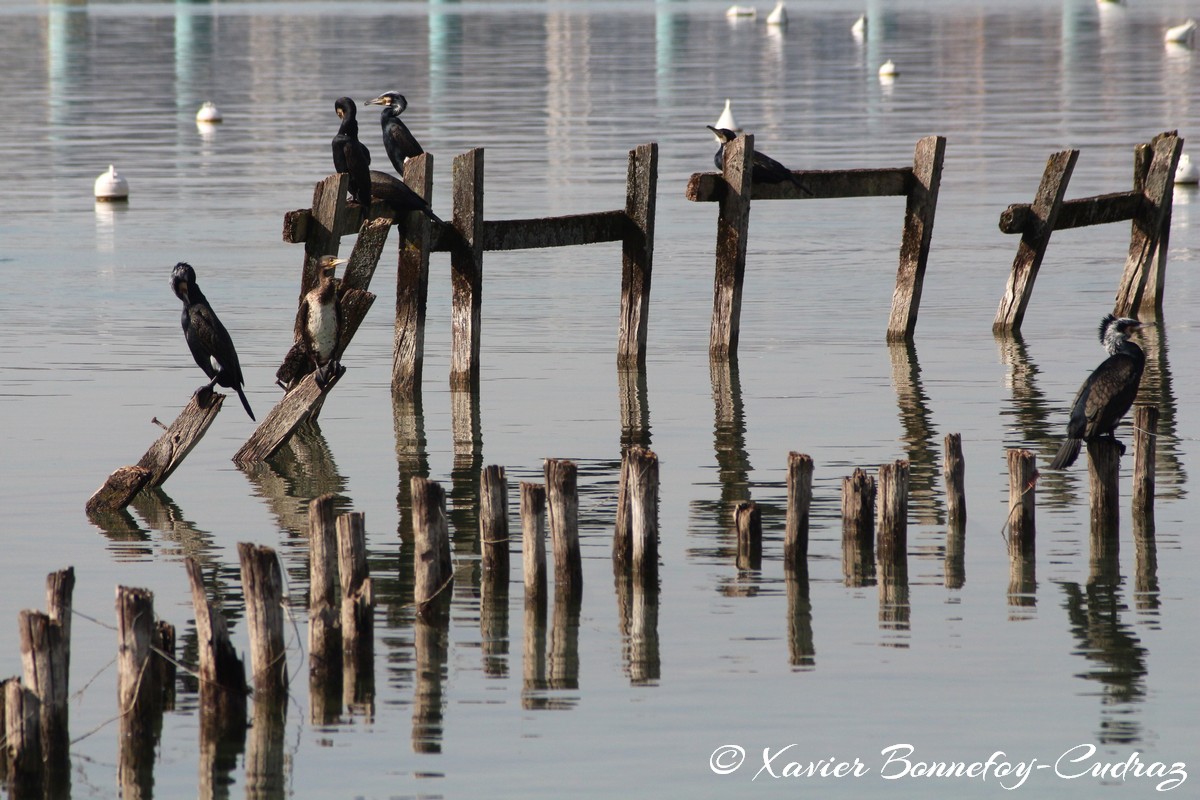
(957, 664)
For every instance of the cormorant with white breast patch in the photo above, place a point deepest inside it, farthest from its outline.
(766, 169)
(398, 140)
(319, 321)
(1107, 394)
(352, 156)
(210, 343)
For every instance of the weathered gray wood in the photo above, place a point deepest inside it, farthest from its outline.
(799, 501)
(1035, 237)
(493, 521)
(1146, 262)
(1104, 483)
(1080, 213)
(892, 542)
(136, 689)
(324, 630)
(562, 504)
(466, 271)
(358, 600)
(222, 675)
(118, 490)
(918, 232)
(412, 285)
(643, 513)
(954, 472)
(279, 425)
(707, 187)
(433, 570)
(262, 585)
(1022, 505)
(858, 528)
(1145, 447)
(322, 233)
(567, 230)
(622, 550)
(747, 525)
(44, 660)
(637, 256)
(733, 225)
(181, 437)
(60, 589)
(364, 258)
(533, 541)
(23, 740)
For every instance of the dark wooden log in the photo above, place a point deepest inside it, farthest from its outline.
(262, 585)
(799, 501)
(747, 525)
(1022, 506)
(954, 472)
(733, 225)
(1145, 447)
(412, 285)
(567, 230)
(118, 490)
(433, 570)
(637, 256)
(283, 420)
(892, 542)
(466, 271)
(1035, 237)
(918, 232)
(706, 187)
(643, 507)
(1104, 481)
(1146, 263)
(858, 528)
(1081, 213)
(562, 503)
(533, 540)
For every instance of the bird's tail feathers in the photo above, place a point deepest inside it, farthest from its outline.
(1066, 454)
(245, 402)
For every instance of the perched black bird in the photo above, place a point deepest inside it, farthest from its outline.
(206, 336)
(351, 155)
(766, 169)
(398, 140)
(1107, 394)
(397, 194)
(319, 320)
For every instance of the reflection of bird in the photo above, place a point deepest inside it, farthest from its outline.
(319, 320)
(351, 155)
(206, 337)
(1108, 392)
(766, 169)
(1181, 34)
(398, 140)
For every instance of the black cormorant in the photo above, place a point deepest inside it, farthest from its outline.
(319, 320)
(397, 194)
(352, 156)
(766, 169)
(1107, 394)
(206, 337)
(398, 140)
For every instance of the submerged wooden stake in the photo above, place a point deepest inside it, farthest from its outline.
(358, 601)
(222, 675)
(262, 585)
(637, 256)
(799, 499)
(533, 540)
(892, 544)
(858, 527)
(433, 569)
(493, 521)
(954, 472)
(733, 226)
(747, 523)
(412, 285)
(918, 232)
(324, 630)
(1022, 482)
(562, 502)
(643, 503)
(1145, 446)
(466, 271)
(23, 740)
(1104, 479)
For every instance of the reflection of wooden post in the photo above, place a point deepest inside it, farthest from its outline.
(562, 503)
(1145, 445)
(747, 523)
(1034, 239)
(1022, 481)
(733, 225)
(637, 255)
(918, 231)
(466, 271)
(533, 540)
(262, 585)
(954, 471)
(799, 499)
(412, 285)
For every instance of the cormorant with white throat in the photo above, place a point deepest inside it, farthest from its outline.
(210, 343)
(766, 169)
(1107, 394)
(398, 140)
(319, 320)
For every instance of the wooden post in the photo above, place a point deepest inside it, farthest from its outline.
(637, 256)
(562, 503)
(324, 632)
(324, 231)
(431, 533)
(954, 471)
(622, 552)
(1034, 239)
(466, 271)
(918, 232)
(858, 528)
(262, 585)
(799, 499)
(1146, 263)
(1145, 447)
(1022, 483)
(643, 502)
(138, 690)
(892, 544)
(412, 285)
(23, 740)
(493, 522)
(733, 225)
(1104, 479)
(358, 601)
(44, 658)
(533, 540)
(222, 675)
(747, 523)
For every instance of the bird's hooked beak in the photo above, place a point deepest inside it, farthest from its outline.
(723, 134)
(330, 267)
(378, 101)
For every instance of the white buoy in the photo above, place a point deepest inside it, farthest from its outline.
(741, 12)
(888, 70)
(1186, 171)
(1181, 34)
(778, 15)
(726, 120)
(859, 28)
(208, 113)
(111, 186)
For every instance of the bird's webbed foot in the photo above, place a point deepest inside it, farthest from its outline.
(329, 371)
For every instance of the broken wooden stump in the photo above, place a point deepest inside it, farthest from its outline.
(747, 526)
(533, 541)
(433, 568)
(799, 500)
(562, 505)
(262, 585)
(1022, 506)
(223, 687)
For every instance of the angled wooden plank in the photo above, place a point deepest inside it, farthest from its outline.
(285, 417)
(918, 232)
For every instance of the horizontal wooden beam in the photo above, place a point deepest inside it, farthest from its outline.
(708, 187)
(574, 229)
(1098, 210)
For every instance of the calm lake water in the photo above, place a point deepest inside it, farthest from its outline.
(558, 93)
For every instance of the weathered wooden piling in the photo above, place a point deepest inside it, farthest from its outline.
(799, 500)
(733, 229)
(412, 285)
(44, 659)
(1104, 483)
(433, 568)
(262, 585)
(222, 675)
(858, 528)
(324, 629)
(533, 540)
(1144, 278)
(892, 541)
(139, 693)
(493, 522)
(954, 470)
(643, 504)
(637, 256)
(1022, 483)
(1145, 450)
(747, 524)
(466, 271)
(23, 740)
(562, 504)
(283, 420)
(358, 601)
